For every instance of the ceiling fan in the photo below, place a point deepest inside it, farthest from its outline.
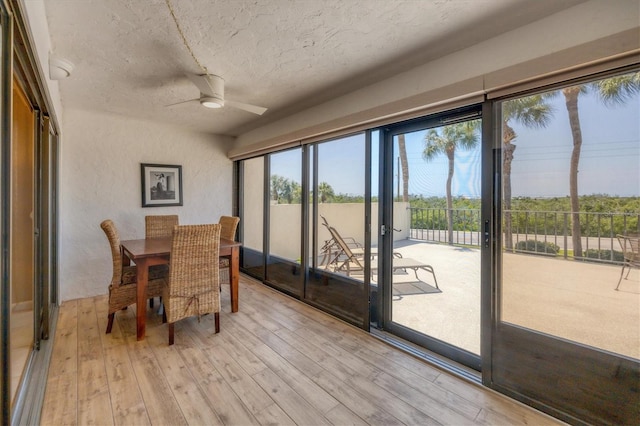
(211, 88)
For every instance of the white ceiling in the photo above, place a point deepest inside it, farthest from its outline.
(286, 55)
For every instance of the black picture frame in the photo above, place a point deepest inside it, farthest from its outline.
(161, 185)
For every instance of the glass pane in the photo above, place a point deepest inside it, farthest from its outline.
(22, 231)
(337, 284)
(285, 235)
(252, 216)
(436, 220)
(565, 232)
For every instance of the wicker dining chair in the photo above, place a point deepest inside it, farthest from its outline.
(160, 225)
(123, 286)
(193, 287)
(229, 226)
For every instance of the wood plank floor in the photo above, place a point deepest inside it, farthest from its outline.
(275, 362)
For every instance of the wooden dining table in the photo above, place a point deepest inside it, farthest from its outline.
(148, 252)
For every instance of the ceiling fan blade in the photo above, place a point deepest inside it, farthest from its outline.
(202, 84)
(212, 86)
(183, 102)
(250, 108)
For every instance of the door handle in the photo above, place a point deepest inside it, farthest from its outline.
(486, 233)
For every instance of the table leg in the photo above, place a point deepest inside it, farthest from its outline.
(142, 275)
(234, 271)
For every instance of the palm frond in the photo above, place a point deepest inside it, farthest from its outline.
(617, 90)
(531, 111)
(447, 138)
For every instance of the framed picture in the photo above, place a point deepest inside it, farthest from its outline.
(161, 185)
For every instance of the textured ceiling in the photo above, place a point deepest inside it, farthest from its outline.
(286, 55)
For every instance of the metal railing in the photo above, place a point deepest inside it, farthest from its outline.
(536, 232)
(430, 224)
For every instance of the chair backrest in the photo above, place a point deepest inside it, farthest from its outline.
(229, 225)
(111, 232)
(194, 266)
(324, 220)
(160, 225)
(630, 245)
(344, 247)
(340, 241)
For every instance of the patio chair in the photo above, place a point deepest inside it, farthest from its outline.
(331, 248)
(160, 225)
(123, 286)
(193, 287)
(348, 262)
(343, 259)
(631, 252)
(228, 224)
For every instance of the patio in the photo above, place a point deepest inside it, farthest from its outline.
(569, 299)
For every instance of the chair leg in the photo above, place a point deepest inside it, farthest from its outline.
(110, 322)
(171, 332)
(164, 314)
(217, 320)
(434, 276)
(621, 274)
(151, 302)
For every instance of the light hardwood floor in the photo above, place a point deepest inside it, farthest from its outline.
(276, 361)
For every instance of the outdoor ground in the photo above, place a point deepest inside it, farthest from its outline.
(564, 298)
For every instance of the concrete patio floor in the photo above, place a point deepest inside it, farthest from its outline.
(564, 298)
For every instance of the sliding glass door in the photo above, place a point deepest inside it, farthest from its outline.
(339, 238)
(431, 272)
(297, 207)
(251, 225)
(284, 221)
(24, 238)
(567, 324)
(6, 49)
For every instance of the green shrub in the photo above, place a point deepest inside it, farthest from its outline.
(537, 247)
(595, 254)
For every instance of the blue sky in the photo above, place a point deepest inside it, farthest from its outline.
(609, 163)
(610, 154)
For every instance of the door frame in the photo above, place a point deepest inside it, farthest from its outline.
(440, 347)
(569, 380)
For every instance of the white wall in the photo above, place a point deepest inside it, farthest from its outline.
(100, 176)
(346, 218)
(100, 179)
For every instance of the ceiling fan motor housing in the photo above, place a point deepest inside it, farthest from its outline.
(216, 83)
(213, 98)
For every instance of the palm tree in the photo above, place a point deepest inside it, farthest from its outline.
(295, 196)
(325, 192)
(284, 190)
(446, 140)
(611, 91)
(533, 112)
(402, 152)
(277, 187)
